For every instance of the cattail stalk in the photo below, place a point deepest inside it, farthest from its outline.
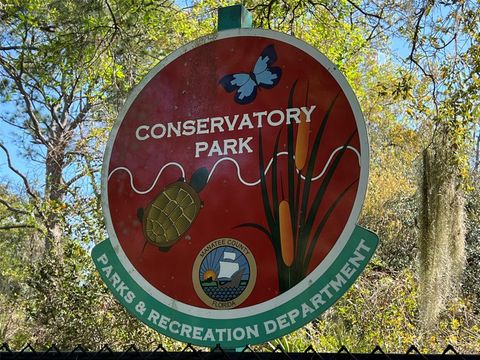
(301, 146)
(286, 233)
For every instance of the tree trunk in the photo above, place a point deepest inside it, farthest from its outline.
(54, 194)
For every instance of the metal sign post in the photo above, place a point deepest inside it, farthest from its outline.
(234, 17)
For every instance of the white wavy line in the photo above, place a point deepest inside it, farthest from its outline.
(330, 159)
(239, 175)
(244, 182)
(154, 182)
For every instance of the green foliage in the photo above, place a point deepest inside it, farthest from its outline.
(16, 249)
(470, 284)
(70, 299)
(320, 26)
(390, 208)
(382, 309)
(66, 67)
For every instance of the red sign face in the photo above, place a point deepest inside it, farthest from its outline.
(234, 170)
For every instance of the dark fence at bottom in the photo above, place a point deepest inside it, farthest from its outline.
(192, 353)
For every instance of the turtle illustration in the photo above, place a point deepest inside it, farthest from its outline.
(173, 211)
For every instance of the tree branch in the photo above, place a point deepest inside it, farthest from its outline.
(376, 16)
(12, 209)
(68, 100)
(80, 116)
(27, 100)
(476, 165)
(411, 57)
(23, 177)
(17, 226)
(417, 28)
(11, 123)
(325, 7)
(112, 15)
(75, 178)
(25, 181)
(9, 48)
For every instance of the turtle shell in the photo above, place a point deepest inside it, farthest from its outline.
(171, 214)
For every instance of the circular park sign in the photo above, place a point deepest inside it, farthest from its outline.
(232, 182)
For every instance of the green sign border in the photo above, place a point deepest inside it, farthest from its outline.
(237, 332)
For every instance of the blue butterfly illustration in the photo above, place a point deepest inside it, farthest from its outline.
(262, 75)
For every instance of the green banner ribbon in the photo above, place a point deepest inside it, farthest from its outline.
(231, 332)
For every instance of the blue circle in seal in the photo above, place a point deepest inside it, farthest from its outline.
(232, 273)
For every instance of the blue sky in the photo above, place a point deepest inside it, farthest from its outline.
(9, 136)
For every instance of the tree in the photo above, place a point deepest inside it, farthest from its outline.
(443, 41)
(440, 82)
(16, 249)
(65, 67)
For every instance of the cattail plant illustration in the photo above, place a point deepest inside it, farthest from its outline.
(286, 233)
(294, 224)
